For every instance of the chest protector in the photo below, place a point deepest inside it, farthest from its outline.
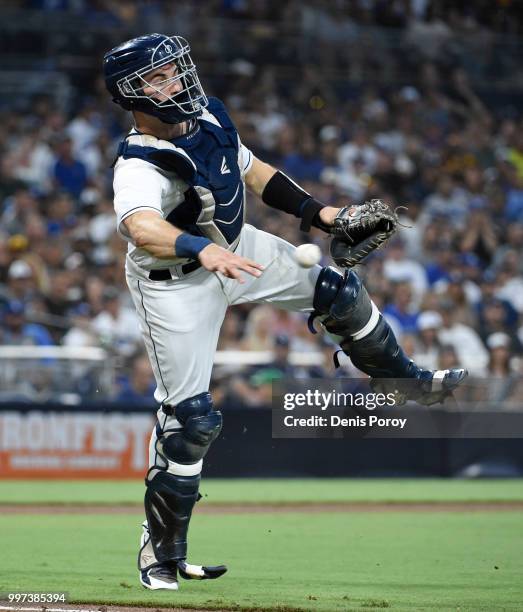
(207, 160)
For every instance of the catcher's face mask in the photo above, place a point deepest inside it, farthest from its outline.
(155, 74)
(169, 80)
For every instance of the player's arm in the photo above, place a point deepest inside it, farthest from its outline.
(277, 190)
(149, 231)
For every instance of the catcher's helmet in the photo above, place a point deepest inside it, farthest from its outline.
(126, 67)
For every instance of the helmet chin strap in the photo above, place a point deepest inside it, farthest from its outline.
(189, 125)
(185, 126)
(164, 117)
(180, 128)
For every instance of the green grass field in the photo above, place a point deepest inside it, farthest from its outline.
(402, 560)
(264, 490)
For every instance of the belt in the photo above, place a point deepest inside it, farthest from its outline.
(165, 274)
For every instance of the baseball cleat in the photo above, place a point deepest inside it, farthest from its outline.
(447, 380)
(440, 385)
(432, 387)
(200, 572)
(162, 576)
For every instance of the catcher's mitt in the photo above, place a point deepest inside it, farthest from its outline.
(359, 230)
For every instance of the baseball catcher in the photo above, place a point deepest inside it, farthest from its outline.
(180, 178)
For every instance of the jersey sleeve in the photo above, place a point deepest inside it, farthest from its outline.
(137, 186)
(245, 158)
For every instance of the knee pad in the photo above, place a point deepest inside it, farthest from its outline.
(201, 425)
(343, 300)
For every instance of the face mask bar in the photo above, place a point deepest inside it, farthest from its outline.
(189, 100)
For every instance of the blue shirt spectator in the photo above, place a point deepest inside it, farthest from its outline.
(16, 331)
(69, 173)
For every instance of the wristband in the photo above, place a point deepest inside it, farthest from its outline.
(310, 215)
(284, 194)
(189, 246)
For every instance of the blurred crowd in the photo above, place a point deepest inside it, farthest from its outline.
(450, 284)
(492, 15)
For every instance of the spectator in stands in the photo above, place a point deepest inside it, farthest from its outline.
(60, 214)
(465, 342)
(498, 315)
(16, 330)
(480, 235)
(449, 359)
(513, 242)
(116, 325)
(468, 267)
(257, 391)
(16, 209)
(281, 361)
(258, 330)
(398, 268)
(427, 346)
(359, 149)
(21, 284)
(59, 298)
(230, 333)
(402, 309)
(455, 292)
(80, 333)
(69, 173)
(139, 386)
(501, 377)
(305, 164)
(448, 202)
(510, 280)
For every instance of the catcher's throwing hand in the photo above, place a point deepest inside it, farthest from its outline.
(328, 214)
(358, 230)
(217, 259)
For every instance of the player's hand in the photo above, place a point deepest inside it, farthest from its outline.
(217, 259)
(328, 214)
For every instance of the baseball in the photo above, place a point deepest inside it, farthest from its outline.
(307, 255)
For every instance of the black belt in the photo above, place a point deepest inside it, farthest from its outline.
(165, 274)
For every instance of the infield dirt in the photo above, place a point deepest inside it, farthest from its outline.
(271, 508)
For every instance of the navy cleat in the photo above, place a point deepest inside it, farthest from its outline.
(428, 388)
(200, 572)
(440, 385)
(163, 576)
(447, 380)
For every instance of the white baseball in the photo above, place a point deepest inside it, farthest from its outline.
(307, 255)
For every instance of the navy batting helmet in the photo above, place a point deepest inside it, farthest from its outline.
(126, 69)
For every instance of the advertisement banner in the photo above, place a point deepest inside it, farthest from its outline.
(63, 444)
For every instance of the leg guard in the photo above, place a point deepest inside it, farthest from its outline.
(172, 485)
(379, 355)
(366, 337)
(169, 501)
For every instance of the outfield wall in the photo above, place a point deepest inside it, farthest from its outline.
(53, 441)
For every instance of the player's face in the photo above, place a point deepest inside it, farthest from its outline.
(162, 83)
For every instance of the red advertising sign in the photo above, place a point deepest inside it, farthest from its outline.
(74, 444)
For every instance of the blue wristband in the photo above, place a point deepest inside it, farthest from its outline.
(189, 246)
